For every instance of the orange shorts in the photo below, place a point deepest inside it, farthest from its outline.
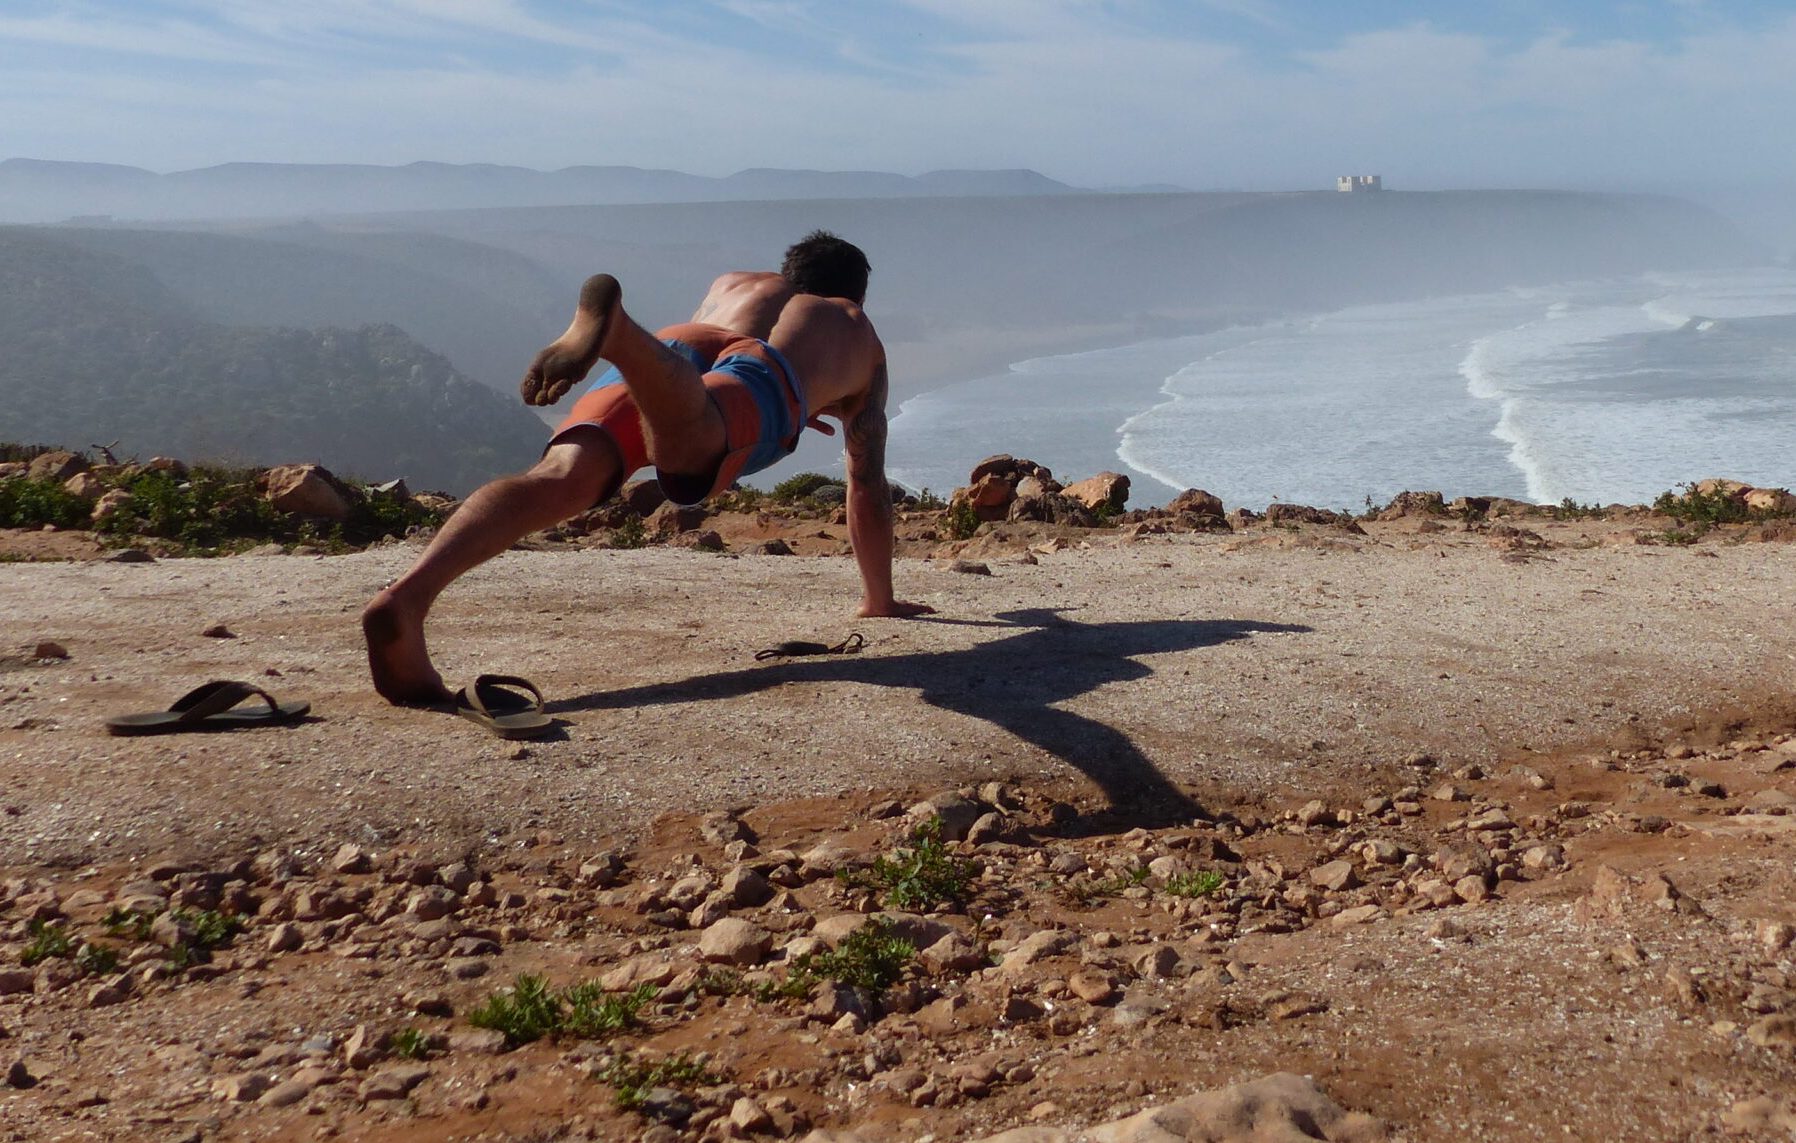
(749, 381)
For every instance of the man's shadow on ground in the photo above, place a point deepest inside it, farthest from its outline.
(1012, 683)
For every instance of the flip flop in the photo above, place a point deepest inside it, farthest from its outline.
(795, 647)
(210, 707)
(504, 711)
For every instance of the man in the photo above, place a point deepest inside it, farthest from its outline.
(705, 402)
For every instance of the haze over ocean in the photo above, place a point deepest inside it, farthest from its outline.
(1604, 391)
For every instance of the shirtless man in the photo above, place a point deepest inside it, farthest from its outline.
(705, 402)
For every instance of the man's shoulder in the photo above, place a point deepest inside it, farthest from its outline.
(747, 279)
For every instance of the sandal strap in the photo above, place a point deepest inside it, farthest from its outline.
(216, 697)
(482, 682)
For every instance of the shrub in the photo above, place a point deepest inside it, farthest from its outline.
(631, 1078)
(962, 520)
(919, 877)
(28, 503)
(802, 486)
(871, 957)
(1702, 508)
(529, 1010)
(1198, 884)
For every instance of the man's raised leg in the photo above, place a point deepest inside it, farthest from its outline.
(576, 473)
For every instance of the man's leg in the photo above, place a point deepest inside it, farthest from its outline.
(685, 431)
(582, 469)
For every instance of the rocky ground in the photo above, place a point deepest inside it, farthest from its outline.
(1513, 858)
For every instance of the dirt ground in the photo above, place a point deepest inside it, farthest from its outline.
(1500, 817)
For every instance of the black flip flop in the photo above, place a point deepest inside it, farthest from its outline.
(212, 706)
(792, 648)
(494, 702)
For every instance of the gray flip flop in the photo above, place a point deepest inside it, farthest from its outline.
(494, 702)
(212, 706)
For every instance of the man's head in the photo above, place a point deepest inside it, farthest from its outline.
(822, 264)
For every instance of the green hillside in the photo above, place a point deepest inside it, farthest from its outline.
(93, 348)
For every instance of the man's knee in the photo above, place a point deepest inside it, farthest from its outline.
(584, 465)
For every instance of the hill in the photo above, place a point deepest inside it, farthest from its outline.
(99, 349)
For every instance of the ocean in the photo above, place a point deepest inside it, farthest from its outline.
(1603, 392)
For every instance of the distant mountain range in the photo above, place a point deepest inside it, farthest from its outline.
(389, 342)
(35, 190)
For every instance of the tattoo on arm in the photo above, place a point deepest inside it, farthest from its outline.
(864, 438)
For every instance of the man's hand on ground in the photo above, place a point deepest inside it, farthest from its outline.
(893, 609)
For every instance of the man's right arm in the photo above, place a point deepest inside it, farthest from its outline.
(870, 504)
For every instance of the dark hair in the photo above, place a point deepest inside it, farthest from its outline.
(822, 264)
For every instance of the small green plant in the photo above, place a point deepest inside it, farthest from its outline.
(591, 1012)
(1569, 509)
(209, 930)
(412, 1044)
(795, 985)
(525, 1012)
(97, 960)
(529, 1010)
(1105, 513)
(872, 957)
(928, 501)
(1677, 537)
(47, 942)
(630, 534)
(962, 521)
(1201, 883)
(801, 487)
(128, 924)
(919, 877)
(632, 1078)
(1085, 889)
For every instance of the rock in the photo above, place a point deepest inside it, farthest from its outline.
(1472, 888)
(285, 1094)
(1314, 813)
(432, 903)
(1773, 1032)
(956, 812)
(85, 485)
(746, 888)
(14, 981)
(723, 827)
(394, 1083)
(58, 465)
(1282, 1107)
(18, 1075)
(1448, 792)
(109, 505)
(1358, 915)
(1336, 876)
(243, 1088)
(1106, 489)
(363, 1048)
(1092, 986)
(952, 954)
(773, 547)
(49, 649)
(478, 1041)
(970, 567)
(350, 859)
(1761, 1118)
(1196, 502)
(749, 1117)
(735, 941)
(1037, 945)
(1772, 500)
(307, 490)
(649, 968)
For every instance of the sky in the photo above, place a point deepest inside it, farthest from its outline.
(1206, 94)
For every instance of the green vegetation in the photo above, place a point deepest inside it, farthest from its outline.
(1085, 890)
(927, 501)
(922, 876)
(97, 960)
(129, 924)
(47, 942)
(28, 503)
(209, 930)
(529, 1010)
(206, 511)
(1198, 884)
(629, 534)
(1703, 509)
(632, 1078)
(962, 521)
(1569, 509)
(871, 957)
(412, 1044)
(802, 486)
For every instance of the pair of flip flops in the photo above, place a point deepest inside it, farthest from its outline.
(217, 705)
(509, 706)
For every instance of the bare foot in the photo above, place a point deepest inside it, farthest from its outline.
(397, 657)
(570, 357)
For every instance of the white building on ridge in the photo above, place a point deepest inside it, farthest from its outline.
(1351, 184)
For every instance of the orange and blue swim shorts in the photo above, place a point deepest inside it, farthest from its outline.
(750, 382)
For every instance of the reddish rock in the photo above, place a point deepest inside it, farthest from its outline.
(307, 490)
(1106, 489)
